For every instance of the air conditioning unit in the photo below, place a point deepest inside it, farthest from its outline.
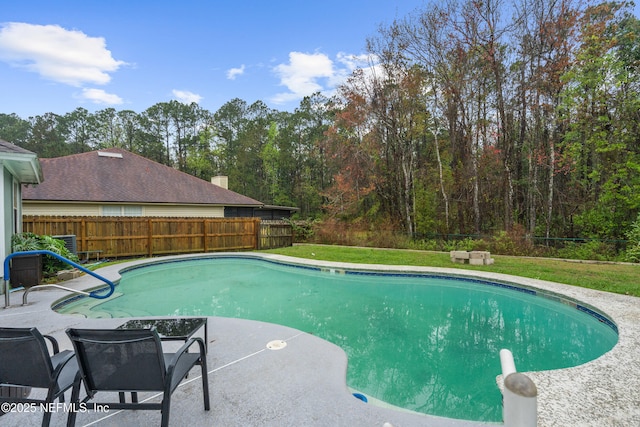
(69, 242)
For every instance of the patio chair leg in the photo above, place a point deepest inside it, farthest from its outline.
(46, 418)
(75, 400)
(166, 405)
(205, 383)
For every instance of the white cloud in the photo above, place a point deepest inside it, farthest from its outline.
(186, 97)
(99, 96)
(301, 75)
(352, 62)
(308, 73)
(57, 54)
(232, 73)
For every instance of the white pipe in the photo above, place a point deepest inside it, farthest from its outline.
(519, 397)
(520, 401)
(507, 363)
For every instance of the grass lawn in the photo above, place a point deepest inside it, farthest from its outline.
(610, 277)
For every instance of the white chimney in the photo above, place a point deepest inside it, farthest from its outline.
(220, 181)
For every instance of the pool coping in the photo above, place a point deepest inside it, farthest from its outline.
(605, 391)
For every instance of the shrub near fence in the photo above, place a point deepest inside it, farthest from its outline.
(113, 237)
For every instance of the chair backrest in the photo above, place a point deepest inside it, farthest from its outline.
(24, 358)
(119, 359)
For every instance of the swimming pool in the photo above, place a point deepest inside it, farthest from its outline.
(422, 342)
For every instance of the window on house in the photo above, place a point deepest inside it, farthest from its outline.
(132, 210)
(126, 210)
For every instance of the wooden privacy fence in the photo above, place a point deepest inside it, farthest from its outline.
(113, 237)
(275, 234)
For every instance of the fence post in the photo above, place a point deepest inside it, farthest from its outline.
(149, 237)
(83, 235)
(205, 225)
(259, 233)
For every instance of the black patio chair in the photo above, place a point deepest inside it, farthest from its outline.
(131, 361)
(25, 362)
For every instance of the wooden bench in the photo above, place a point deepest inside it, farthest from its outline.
(471, 257)
(88, 253)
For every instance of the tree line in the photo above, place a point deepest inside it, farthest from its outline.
(474, 117)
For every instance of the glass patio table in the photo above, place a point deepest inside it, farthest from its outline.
(172, 329)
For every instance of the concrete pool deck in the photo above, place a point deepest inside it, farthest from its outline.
(303, 384)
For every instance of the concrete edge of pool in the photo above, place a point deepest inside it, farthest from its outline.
(304, 384)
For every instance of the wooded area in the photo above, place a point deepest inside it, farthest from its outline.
(117, 237)
(474, 118)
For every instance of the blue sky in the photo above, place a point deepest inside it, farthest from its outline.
(56, 56)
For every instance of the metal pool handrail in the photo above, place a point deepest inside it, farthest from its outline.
(92, 294)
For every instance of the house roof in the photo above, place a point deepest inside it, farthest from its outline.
(23, 164)
(116, 175)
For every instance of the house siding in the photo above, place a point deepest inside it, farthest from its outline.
(184, 211)
(10, 192)
(61, 209)
(7, 214)
(19, 166)
(95, 209)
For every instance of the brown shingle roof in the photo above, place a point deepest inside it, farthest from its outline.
(7, 147)
(90, 177)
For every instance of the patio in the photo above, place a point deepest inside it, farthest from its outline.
(303, 384)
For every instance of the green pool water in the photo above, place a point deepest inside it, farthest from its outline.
(428, 344)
